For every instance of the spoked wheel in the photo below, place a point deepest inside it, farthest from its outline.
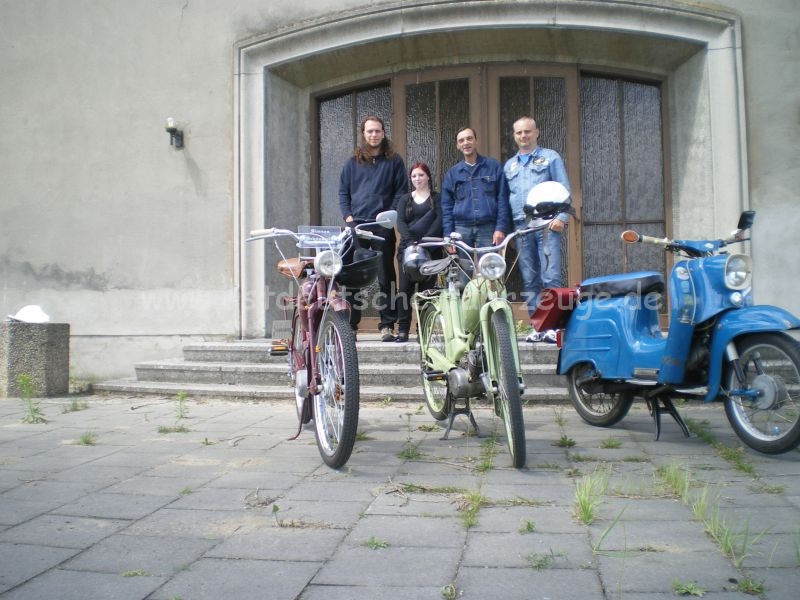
(768, 417)
(431, 335)
(504, 372)
(595, 406)
(336, 404)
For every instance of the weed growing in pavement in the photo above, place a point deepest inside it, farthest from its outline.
(33, 412)
(558, 414)
(136, 573)
(429, 427)
(488, 451)
(176, 429)
(541, 561)
(181, 411)
(469, 506)
(750, 586)
(375, 544)
(734, 456)
(87, 439)
(588, 490)
(386, 402)
(676, 479)
(361, 436)
(527, 526)
(611, 444)
(687, 588)
(410, 451)
(75, 405)
(449, 592)
(565, 442)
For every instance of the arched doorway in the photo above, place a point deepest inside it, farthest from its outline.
(609, 131)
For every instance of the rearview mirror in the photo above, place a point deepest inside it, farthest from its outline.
(386, 219)
(746, 220)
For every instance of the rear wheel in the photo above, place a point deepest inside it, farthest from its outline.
(768, 417)
(504, 373)
(431, 335)
(595, 406)
(336, 403)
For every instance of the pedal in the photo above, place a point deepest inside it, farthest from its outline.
(434, 375)
(279, 348)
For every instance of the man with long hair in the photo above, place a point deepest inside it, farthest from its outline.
(371, 181)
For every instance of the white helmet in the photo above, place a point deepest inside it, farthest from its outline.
(542, 194)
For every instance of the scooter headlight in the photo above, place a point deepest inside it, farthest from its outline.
(492, 266)
(738, 271)
(328, 263)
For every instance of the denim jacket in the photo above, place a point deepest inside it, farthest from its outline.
(475, 196)
(523, 172)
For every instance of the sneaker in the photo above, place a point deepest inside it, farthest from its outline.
(387, 335)
(534, 336)
(549, 336)
(402, 336)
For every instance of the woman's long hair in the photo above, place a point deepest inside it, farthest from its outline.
(426, 169)
(362, 152)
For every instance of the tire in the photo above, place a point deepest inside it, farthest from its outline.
(600, 409)
(336, 406)
(504, 372)
(770, 422)
(431, 334)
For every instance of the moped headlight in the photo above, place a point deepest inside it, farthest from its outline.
(327, 263)
(492, 266)
(738, 271)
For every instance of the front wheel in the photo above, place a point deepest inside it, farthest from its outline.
(503, 370)
(594, 405)
(766, 416)
(336, 401)
(431, 335)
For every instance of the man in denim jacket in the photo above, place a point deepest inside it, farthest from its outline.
(539, 252)
(475, 196)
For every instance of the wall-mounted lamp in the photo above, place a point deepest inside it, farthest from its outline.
(175, 134)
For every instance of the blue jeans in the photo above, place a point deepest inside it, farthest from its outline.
(539, 262)
(476, 236)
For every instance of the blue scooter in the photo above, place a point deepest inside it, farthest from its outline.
(718, 345)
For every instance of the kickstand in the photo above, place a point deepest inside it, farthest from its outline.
(669, 408)
(465, 410)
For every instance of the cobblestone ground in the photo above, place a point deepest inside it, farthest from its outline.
(156, 498)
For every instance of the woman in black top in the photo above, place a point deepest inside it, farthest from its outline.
(419, 214)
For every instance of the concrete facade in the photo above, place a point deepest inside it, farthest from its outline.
(140, 247)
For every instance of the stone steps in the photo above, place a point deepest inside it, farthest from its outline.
(244, 370)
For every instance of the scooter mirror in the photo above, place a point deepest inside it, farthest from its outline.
(746, 220)
(386, 219)
(629, 236)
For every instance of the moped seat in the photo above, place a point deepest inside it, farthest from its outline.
(293, 267)
(640, 283)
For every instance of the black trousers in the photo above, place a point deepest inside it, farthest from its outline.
(387, 283)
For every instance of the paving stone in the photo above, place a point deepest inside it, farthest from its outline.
(83, 585)
(20, 562)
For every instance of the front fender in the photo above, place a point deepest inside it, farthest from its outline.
(499, 305)
(732, 324)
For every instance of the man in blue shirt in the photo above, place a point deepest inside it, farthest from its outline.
(539, 252)
(475, 196)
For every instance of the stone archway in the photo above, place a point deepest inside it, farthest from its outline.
(277, 73)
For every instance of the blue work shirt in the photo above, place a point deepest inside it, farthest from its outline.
(475, 196)
(523, 171)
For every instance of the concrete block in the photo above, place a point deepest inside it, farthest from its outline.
(38, 350)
